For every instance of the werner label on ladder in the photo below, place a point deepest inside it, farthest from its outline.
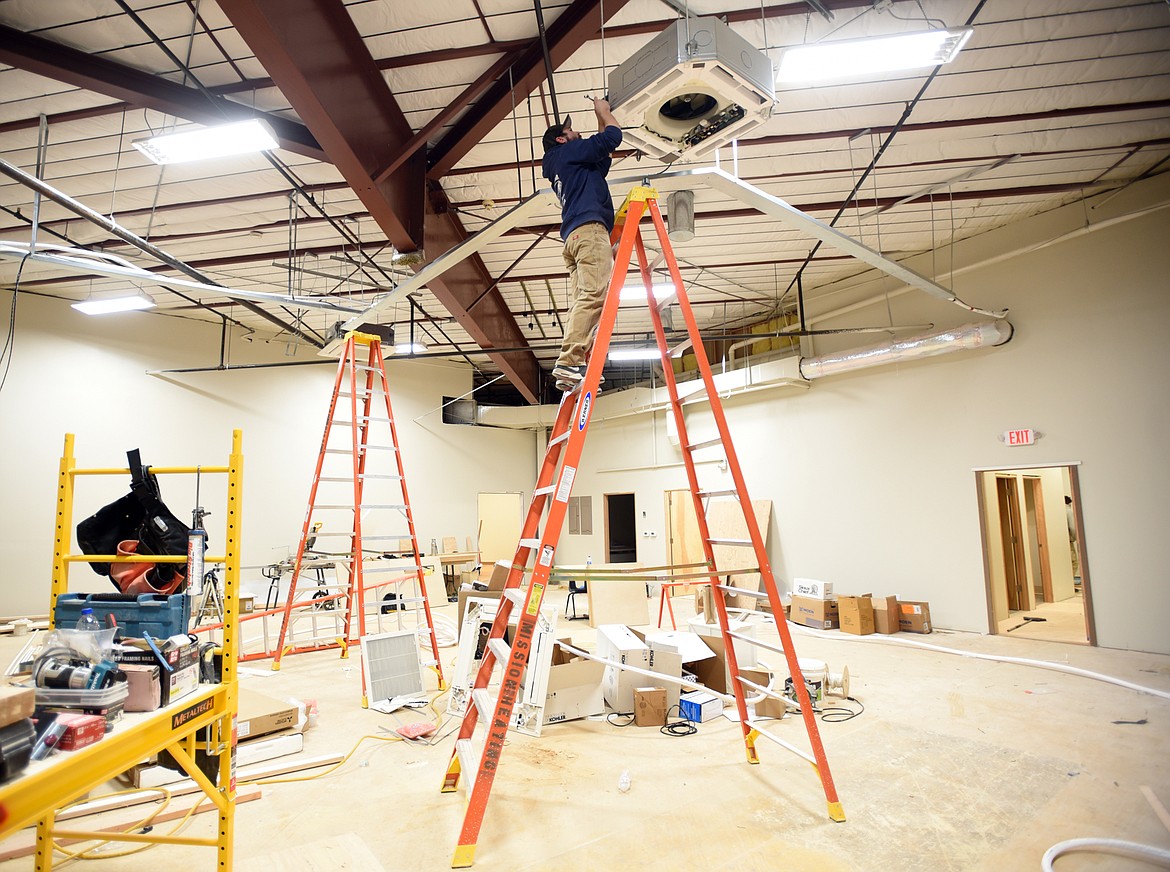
(526, 587)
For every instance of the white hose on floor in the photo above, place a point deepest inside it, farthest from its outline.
(446, 633)
(999, 658)
(1133, 850)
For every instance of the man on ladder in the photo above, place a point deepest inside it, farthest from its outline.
(577, 169)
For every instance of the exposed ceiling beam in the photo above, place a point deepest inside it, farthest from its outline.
(575, 26)
(137, 88)
(315, 55)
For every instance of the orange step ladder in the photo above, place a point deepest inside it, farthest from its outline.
(364, 392)
(526, 586)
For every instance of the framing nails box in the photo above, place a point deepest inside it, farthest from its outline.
(820, 614)
(649, 706)
(856, 614)
(699, 706)
(178, 670)
(885, 614)
(617, 642)
(574, 687)
(914, 617)
(810, 587)
(80, 730)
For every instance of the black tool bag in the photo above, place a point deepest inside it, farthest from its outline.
(141, 515)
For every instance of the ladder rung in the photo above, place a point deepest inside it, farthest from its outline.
(372, 566)
(365, 367)
(500, 648)
(758, 594)
(468, 761)
(365, 447)
(530, 543)
(542, 491)
(729, 492)
(557, 440)
(364, 475)
(746, 543)
(484, 703)
(516, 595)
(705, 443)
(363, 506)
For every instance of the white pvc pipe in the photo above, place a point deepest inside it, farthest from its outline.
(1133, 850)
(981, 334)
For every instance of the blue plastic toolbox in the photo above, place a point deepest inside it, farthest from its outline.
(160, 616)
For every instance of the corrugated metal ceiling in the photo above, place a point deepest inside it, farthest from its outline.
(1050, 101)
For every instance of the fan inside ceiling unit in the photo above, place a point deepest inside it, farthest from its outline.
(694, 87)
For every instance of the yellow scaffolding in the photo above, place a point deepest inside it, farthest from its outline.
(51, 784)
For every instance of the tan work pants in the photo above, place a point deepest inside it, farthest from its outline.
(589, 259)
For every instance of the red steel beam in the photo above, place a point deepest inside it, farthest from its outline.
(137, 88)
(576, 25)
(316, 57)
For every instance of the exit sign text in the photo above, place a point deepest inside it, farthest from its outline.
(1019, 437)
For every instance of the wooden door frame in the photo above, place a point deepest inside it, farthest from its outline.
(1011, 538)
(605, 521)
(1035, 486)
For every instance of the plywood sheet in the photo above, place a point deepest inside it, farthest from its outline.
(618, 602)
(500, 517)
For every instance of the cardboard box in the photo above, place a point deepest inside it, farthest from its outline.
(745, 651)
(260, 715)
(247, 753)
(649, 706)
(812, 588)
(913, 617)
(16, 704)
(768, 707)
(145, 685)
(80, 730)
(856, 614)
(699, 706)
(885, 614)
(499, 576)
(178, 668)
(574, 689)
(467, 593)
(616, 642)
(820, 614)
(672, 653)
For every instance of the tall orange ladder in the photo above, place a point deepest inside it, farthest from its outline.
(362, 387)
(525, 587)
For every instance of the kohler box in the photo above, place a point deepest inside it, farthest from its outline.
(694, 87)
(616, 642)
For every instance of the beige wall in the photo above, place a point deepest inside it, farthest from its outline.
(85, 375)
(872, 473)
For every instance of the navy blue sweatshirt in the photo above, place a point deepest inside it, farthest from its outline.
(577, 170)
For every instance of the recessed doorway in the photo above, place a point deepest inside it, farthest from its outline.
(621, 539)
(1034, 554)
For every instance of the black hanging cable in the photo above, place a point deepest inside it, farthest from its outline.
(10, 336)
(548, 69)
(276, 163)
(910, 106)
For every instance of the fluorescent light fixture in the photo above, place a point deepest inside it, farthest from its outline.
(207, 142)
(109, 305)
(410, 348)
(634, 292)
(620, 355)
(849, 58)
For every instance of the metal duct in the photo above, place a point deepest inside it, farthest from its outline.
(680, 216)
(984, 334)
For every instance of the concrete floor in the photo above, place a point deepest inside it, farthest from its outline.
(956, 764)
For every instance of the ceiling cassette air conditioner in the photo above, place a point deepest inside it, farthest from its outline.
(694, 87)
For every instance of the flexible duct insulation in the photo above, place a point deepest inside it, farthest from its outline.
(985, 334)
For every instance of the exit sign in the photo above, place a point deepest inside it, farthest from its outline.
(1019, 437)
